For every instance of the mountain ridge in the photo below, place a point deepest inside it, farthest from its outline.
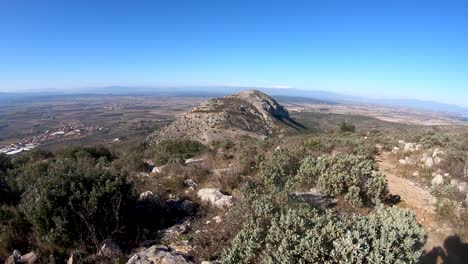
(249, 113)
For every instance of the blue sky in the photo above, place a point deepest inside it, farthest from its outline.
(398, 49)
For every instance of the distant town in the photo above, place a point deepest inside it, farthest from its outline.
(52, 135)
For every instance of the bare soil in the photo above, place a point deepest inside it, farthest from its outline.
(419, 199)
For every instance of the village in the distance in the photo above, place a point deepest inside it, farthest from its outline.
(49, 136)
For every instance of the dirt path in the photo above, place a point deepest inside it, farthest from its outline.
(419, 200)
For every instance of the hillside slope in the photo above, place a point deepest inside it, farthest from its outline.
(250, 113)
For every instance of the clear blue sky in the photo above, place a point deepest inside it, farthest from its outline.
(380, 48)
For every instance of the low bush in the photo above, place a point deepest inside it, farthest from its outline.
(76, 203)
(279, 170)
(174, 151)
(353, 176)
(305, 236)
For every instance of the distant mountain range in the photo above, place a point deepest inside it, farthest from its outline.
(216, 91)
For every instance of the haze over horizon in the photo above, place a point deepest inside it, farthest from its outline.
(365, 48)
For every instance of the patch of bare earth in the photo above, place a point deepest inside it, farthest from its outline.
(418, 199)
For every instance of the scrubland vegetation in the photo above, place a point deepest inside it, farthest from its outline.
(74, 200)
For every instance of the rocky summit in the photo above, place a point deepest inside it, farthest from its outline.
(249, 113)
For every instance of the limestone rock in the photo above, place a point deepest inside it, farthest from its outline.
(215, 197)
(146, 195)
(160, 255)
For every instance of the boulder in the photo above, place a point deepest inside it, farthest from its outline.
(416, 174)
(215, 197)
(437, 180)
(159, 254)
(15, 258)
(109, 248)
(30, 257)
(146, 195)
(401, 142)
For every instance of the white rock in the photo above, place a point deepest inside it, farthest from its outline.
(217, 219)
(416, 173)
(418, 147)
(146, 195)
(401, 142)
(215, 197)
(427, 162)
(157, 169)
(410, 147)
(158, 254)
(437, 180)
(462, 187)
(446, 175)
(395, 150)
(193, 160)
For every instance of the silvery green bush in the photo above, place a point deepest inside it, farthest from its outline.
(353, 176)
(389, 235)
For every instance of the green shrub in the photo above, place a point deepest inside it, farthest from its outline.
(175, 151)
(75, 202)
(279, 170)
(93, 152)
(14, 231)
(353, 176)
(305, 236)
(308, 173)
(345, 127)
(319, 144)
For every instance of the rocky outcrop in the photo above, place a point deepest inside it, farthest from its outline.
(250, 113)
(159, 254)
(17, 258)
(215, 197)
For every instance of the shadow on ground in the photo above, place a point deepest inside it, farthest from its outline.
(454, 252)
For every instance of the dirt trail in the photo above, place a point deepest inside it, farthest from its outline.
(418, 199)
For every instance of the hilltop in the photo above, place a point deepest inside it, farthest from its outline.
(249, 113)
